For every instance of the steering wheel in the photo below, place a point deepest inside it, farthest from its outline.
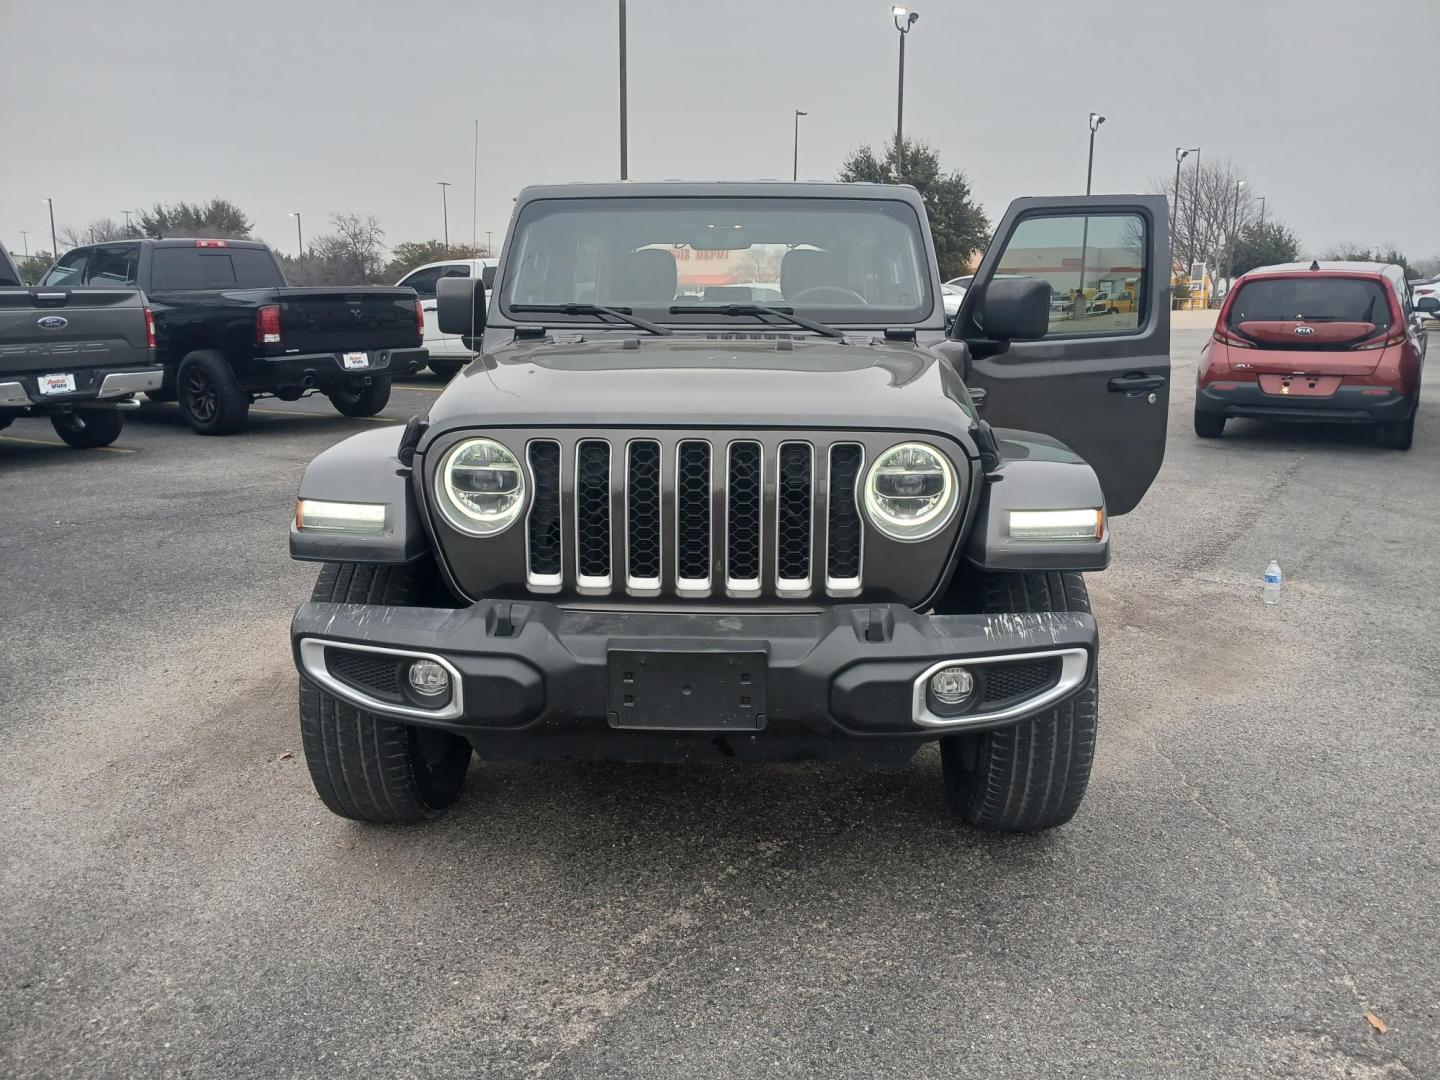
(820, 293)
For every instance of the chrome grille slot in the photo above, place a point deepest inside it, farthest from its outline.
(794, 517)
(543, 546)
(693, 544)
(744, 503)
(592, 514)
(642, 516)
(844, 537)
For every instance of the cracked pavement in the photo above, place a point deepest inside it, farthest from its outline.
(1254, 868)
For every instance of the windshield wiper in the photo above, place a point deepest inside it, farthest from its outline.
(623, 314)
(788, 314)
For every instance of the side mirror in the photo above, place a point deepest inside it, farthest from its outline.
(460, 305)
(1430, 305)
(1015, 309)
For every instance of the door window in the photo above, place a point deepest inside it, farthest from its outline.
(70, 270)
(1094, 265)
(423, 281)
(114, 267)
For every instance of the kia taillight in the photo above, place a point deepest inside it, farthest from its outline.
(1227, 337)
(149, 329)
(267, 325)
(1382, 340)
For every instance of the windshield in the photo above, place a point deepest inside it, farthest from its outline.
(834, 260)
(1318, 299)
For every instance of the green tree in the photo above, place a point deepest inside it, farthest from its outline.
(1263, 245)
(957, 222)
(32, 269)
(412, 253)
(218, 219)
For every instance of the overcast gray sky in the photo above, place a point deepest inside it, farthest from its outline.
(363, 105)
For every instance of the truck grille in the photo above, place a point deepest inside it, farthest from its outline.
(687, 517)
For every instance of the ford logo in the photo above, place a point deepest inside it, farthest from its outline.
(52, 322)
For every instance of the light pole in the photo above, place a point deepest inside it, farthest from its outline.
(1262, 212)
(1095, 121)
(795, 174)
(54, 244)
(489, 243)
(624, 115)
(445, 209)
(904, 20)
(1234, 235)
(25, 242)
(299, 235)
(1180, 155)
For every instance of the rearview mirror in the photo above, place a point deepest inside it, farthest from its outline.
(460, 305)
(1430, 305)
(1015, 309)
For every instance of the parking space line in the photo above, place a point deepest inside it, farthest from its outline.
(48, 442)
(422, 389)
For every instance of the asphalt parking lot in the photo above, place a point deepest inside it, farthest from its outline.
(1254, 869)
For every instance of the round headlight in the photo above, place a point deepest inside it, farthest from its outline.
(481, 487)
(910, 492)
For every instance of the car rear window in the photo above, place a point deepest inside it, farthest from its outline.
(1318, 299)
(209, 268)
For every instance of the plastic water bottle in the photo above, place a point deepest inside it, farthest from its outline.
(1273, 579)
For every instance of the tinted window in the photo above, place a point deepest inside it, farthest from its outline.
(211, 268)
(1095, 267)
(9, 275)
(838, 260)
(113, 266)
(1319, 299)
(487, 277)
(423, 281)
(70, 270)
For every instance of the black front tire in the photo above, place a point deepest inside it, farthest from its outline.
(368, 767)
(211, 398)
(1031, 775)
(360, 398)
(88, 429)
(446, 369)
(1209, 426)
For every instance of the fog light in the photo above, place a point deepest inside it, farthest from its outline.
(951, 685)
(429, 679)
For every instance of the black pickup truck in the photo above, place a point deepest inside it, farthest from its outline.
(77, 356)
(230, 329)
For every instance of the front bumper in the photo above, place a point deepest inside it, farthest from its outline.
(536, 680)
(328, 370)
(1348, 405)
(91, 384)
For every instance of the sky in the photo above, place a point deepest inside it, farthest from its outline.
(321, 107)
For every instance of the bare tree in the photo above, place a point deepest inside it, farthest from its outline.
(1214, 211)
(99, 231)
(354, 254)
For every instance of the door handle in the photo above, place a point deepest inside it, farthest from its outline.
(1135, 382)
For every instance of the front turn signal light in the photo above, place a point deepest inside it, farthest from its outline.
(317, 515)
(1057, 524)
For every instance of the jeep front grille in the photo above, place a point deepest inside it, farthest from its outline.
(745, 518)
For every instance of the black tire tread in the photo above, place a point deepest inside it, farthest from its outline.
(1209, 426)
(1031, 775)
(100, 427)
(363, 765)
(232, 402)
(369, 401)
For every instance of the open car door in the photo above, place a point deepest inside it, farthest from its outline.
(1099, 379)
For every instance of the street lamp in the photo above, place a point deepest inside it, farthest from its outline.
(1262, 211)
(489, 243)
(54, 244)
(1180, 155)
(1095, 121)
(795, 174)
(445, 209)
(904, 20)
(299, 235)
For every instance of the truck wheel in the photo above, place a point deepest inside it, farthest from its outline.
(1208, 426)
(85, 429)
(1031, 775)
(361, 399)
(446, 369)
(364, 766)
(211, 399)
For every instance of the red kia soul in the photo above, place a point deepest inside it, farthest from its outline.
(1334, 342)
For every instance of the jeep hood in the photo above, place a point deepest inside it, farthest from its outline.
(702, 382)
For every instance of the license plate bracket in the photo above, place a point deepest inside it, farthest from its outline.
(60, 383)
(687, 690)
(356, 361)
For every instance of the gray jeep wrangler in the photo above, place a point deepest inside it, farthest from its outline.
(720, 485)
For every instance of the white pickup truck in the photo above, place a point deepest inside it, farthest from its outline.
(448, 353)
